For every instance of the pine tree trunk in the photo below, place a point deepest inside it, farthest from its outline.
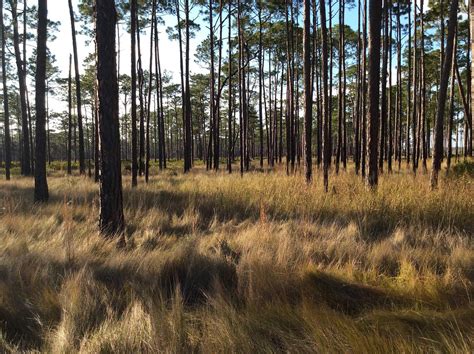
(384, 103)
(326, 117)
(308, 91)
(82, 164)
(375, 10)
(111, 200)
(6, 109)
(141, 145)
(442, 95)
(69, 130)
(133, 33)
(25, 140)
(229, 152)
(187, 97)
(41, 184)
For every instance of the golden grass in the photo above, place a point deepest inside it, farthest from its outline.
(218, 263)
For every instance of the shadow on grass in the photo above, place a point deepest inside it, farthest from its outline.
(374, 224)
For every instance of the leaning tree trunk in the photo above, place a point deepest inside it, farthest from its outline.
(82, 164)
(6, 109)
(41, 184)
(442, 95)
(111, 200)
(375, 10)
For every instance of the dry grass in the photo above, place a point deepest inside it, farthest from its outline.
(218, 263)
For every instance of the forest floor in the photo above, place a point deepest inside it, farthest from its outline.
(219, 263)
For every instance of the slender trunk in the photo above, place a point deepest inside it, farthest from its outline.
(415, 91)
(133, 34)
(218, 98)
(82, 164)
(451, 112)
(41, 184)
(340, 93)
(326, 117)
(384, 103)
(6, 109)
(150, 86)
(141, 145)
(187, 98)
(442, 94)
(308, 91)
(25, 155)
(69, 130)
(375, 9)
(260, 79)
(229, 157)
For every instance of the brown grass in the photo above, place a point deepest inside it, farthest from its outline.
(218, 263)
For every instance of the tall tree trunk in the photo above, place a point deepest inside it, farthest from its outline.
(187, 97)
(241, 89)
(82, 164)
(141, 145)
(357, 115)
(384, 103)
(451, 112)
(326, 117)
(217, 108)
(229, 157)
(161, 117)
(133, 34)
(375, 9)
(415, 90)
(364, 95)
(341, 108)
(25, 155)
(442, 95)
(308, 91)
(111, 200)
(212, 86)
(409, 82)
(260, 80)
(150, 89)
(390, 100)
(41, 184)
(423, 92)
(470, 76)
(399, 89)
(6, 109)
(69, 129)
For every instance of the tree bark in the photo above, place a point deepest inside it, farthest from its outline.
(442, 95)
(375, 9)
(111, 200)
(187, 97)
(326, 118)
(6, 109)
(41, 184)
(308, 91)
(69, 125)
(133, 33)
